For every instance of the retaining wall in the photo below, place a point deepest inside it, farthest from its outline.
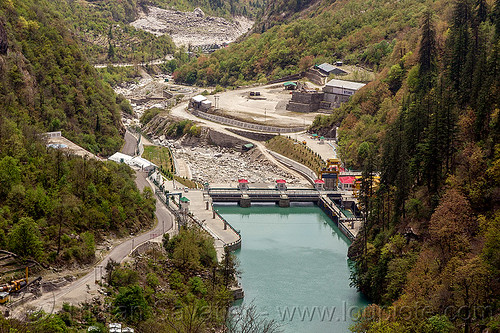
(300, 168)
(245, 125)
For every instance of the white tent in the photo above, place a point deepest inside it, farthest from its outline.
(142, 163)
(120, 158)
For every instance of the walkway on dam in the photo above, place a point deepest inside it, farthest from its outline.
(207, 218)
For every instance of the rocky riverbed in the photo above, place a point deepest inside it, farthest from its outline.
(191, 28)
(223, 166)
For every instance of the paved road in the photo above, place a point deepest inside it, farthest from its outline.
(324, 150)
(130, 144)
(84, 289)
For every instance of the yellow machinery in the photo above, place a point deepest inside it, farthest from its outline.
(357, 185)
(13, 286)
(4, 297)
(330, 174)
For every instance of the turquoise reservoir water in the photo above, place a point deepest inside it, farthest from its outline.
(294, 267)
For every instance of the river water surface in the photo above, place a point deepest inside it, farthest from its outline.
(294, 267)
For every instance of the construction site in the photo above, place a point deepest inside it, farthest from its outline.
(17, 286)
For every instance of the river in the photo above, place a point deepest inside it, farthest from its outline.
(294, 267)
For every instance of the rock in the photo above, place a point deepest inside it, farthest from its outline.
(198, 12)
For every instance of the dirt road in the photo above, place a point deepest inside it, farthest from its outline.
(180, 111)
(269, 108)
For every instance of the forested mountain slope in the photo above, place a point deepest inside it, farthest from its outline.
(54, 207)
(47, 81)
(106, 35)
(298, 34)
(430, 125)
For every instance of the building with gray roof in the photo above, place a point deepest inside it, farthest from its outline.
(339, 91)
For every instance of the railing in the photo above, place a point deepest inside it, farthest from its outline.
(233, 245)
(300, 168)
(246, 125)
(164, 199)
(340, 216)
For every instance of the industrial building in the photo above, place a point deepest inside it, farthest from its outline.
(334, 93)
(305, 101)
(329, 69)
(200, 102)
(339, 91)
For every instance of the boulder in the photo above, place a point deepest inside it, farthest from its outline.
(198, 12)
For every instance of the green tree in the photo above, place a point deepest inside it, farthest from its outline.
(131, 305)
(427, 52)
(24, 239)
(10, 174)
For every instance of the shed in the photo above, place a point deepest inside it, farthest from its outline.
(242, 184)
(184, 202)
(319, 184)
(197, 100)
(290, 85)
(346, 183)
(326, 68)
(205, 105)
(247, 146)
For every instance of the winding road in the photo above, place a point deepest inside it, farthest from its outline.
(85, 288)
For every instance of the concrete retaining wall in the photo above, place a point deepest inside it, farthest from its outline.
(301, 107)
(308, 98)
(252, 135)
(287, 78)
(245, 125)
(224, 140)
(315, 77)
(300, 168)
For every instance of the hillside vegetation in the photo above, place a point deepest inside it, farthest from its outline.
(177, 287)
(296, 151)
(47, 82)
(311, 32)
(428, 254)
(55, 208)
(107, 37)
